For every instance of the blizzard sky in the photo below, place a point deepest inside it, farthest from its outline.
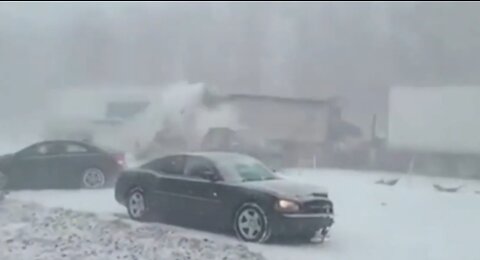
(318, 50)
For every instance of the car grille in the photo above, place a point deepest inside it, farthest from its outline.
(318, 206)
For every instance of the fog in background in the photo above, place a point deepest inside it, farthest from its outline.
(317, 50)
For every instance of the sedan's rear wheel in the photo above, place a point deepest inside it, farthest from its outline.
(137, 206)
(251, 224)
(93, 178)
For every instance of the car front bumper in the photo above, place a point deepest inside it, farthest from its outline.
(300, 224)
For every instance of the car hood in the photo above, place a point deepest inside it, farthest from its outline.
(287, 189)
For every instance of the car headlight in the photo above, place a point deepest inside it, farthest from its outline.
(287, 206)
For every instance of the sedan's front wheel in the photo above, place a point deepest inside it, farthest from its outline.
(251, 224)
(137, 205)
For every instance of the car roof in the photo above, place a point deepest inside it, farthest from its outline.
(63, 141)
(214, 156)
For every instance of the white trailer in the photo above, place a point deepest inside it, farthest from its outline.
(440, 125)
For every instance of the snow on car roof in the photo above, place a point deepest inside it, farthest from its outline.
(216, 156)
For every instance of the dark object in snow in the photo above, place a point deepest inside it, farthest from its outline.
(443, 189)
(225, 191)
(389, 182)
(477, 192)
(60, 164)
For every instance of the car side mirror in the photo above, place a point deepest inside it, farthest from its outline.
(209, 175)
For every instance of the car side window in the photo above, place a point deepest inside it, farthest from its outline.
(199, 168)
(56, 148)
(41, 150)
(170, 165)
(37, 150)
(75, 148)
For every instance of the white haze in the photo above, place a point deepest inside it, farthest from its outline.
(67, 109)
(181, 106)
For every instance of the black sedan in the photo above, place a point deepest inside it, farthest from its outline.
(60, 164)
(225, 191)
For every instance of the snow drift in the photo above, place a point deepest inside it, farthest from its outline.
(30, 231)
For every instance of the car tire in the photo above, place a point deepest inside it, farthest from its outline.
(93, 178)
(251, 223)
(137, 205)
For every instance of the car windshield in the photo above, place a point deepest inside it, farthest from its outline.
(244, 169)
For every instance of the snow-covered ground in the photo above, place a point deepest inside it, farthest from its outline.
(410, 220)
(30, 231)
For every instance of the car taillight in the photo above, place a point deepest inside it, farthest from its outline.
(120, 160)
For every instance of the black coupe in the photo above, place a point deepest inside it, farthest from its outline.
(60, 164)
(224, 191)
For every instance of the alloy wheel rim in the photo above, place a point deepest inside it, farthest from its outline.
(136, 205)
(250, 224)
(93, 178)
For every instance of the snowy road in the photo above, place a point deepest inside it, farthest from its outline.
(407, 221)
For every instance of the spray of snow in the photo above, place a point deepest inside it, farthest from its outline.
(179, 107)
